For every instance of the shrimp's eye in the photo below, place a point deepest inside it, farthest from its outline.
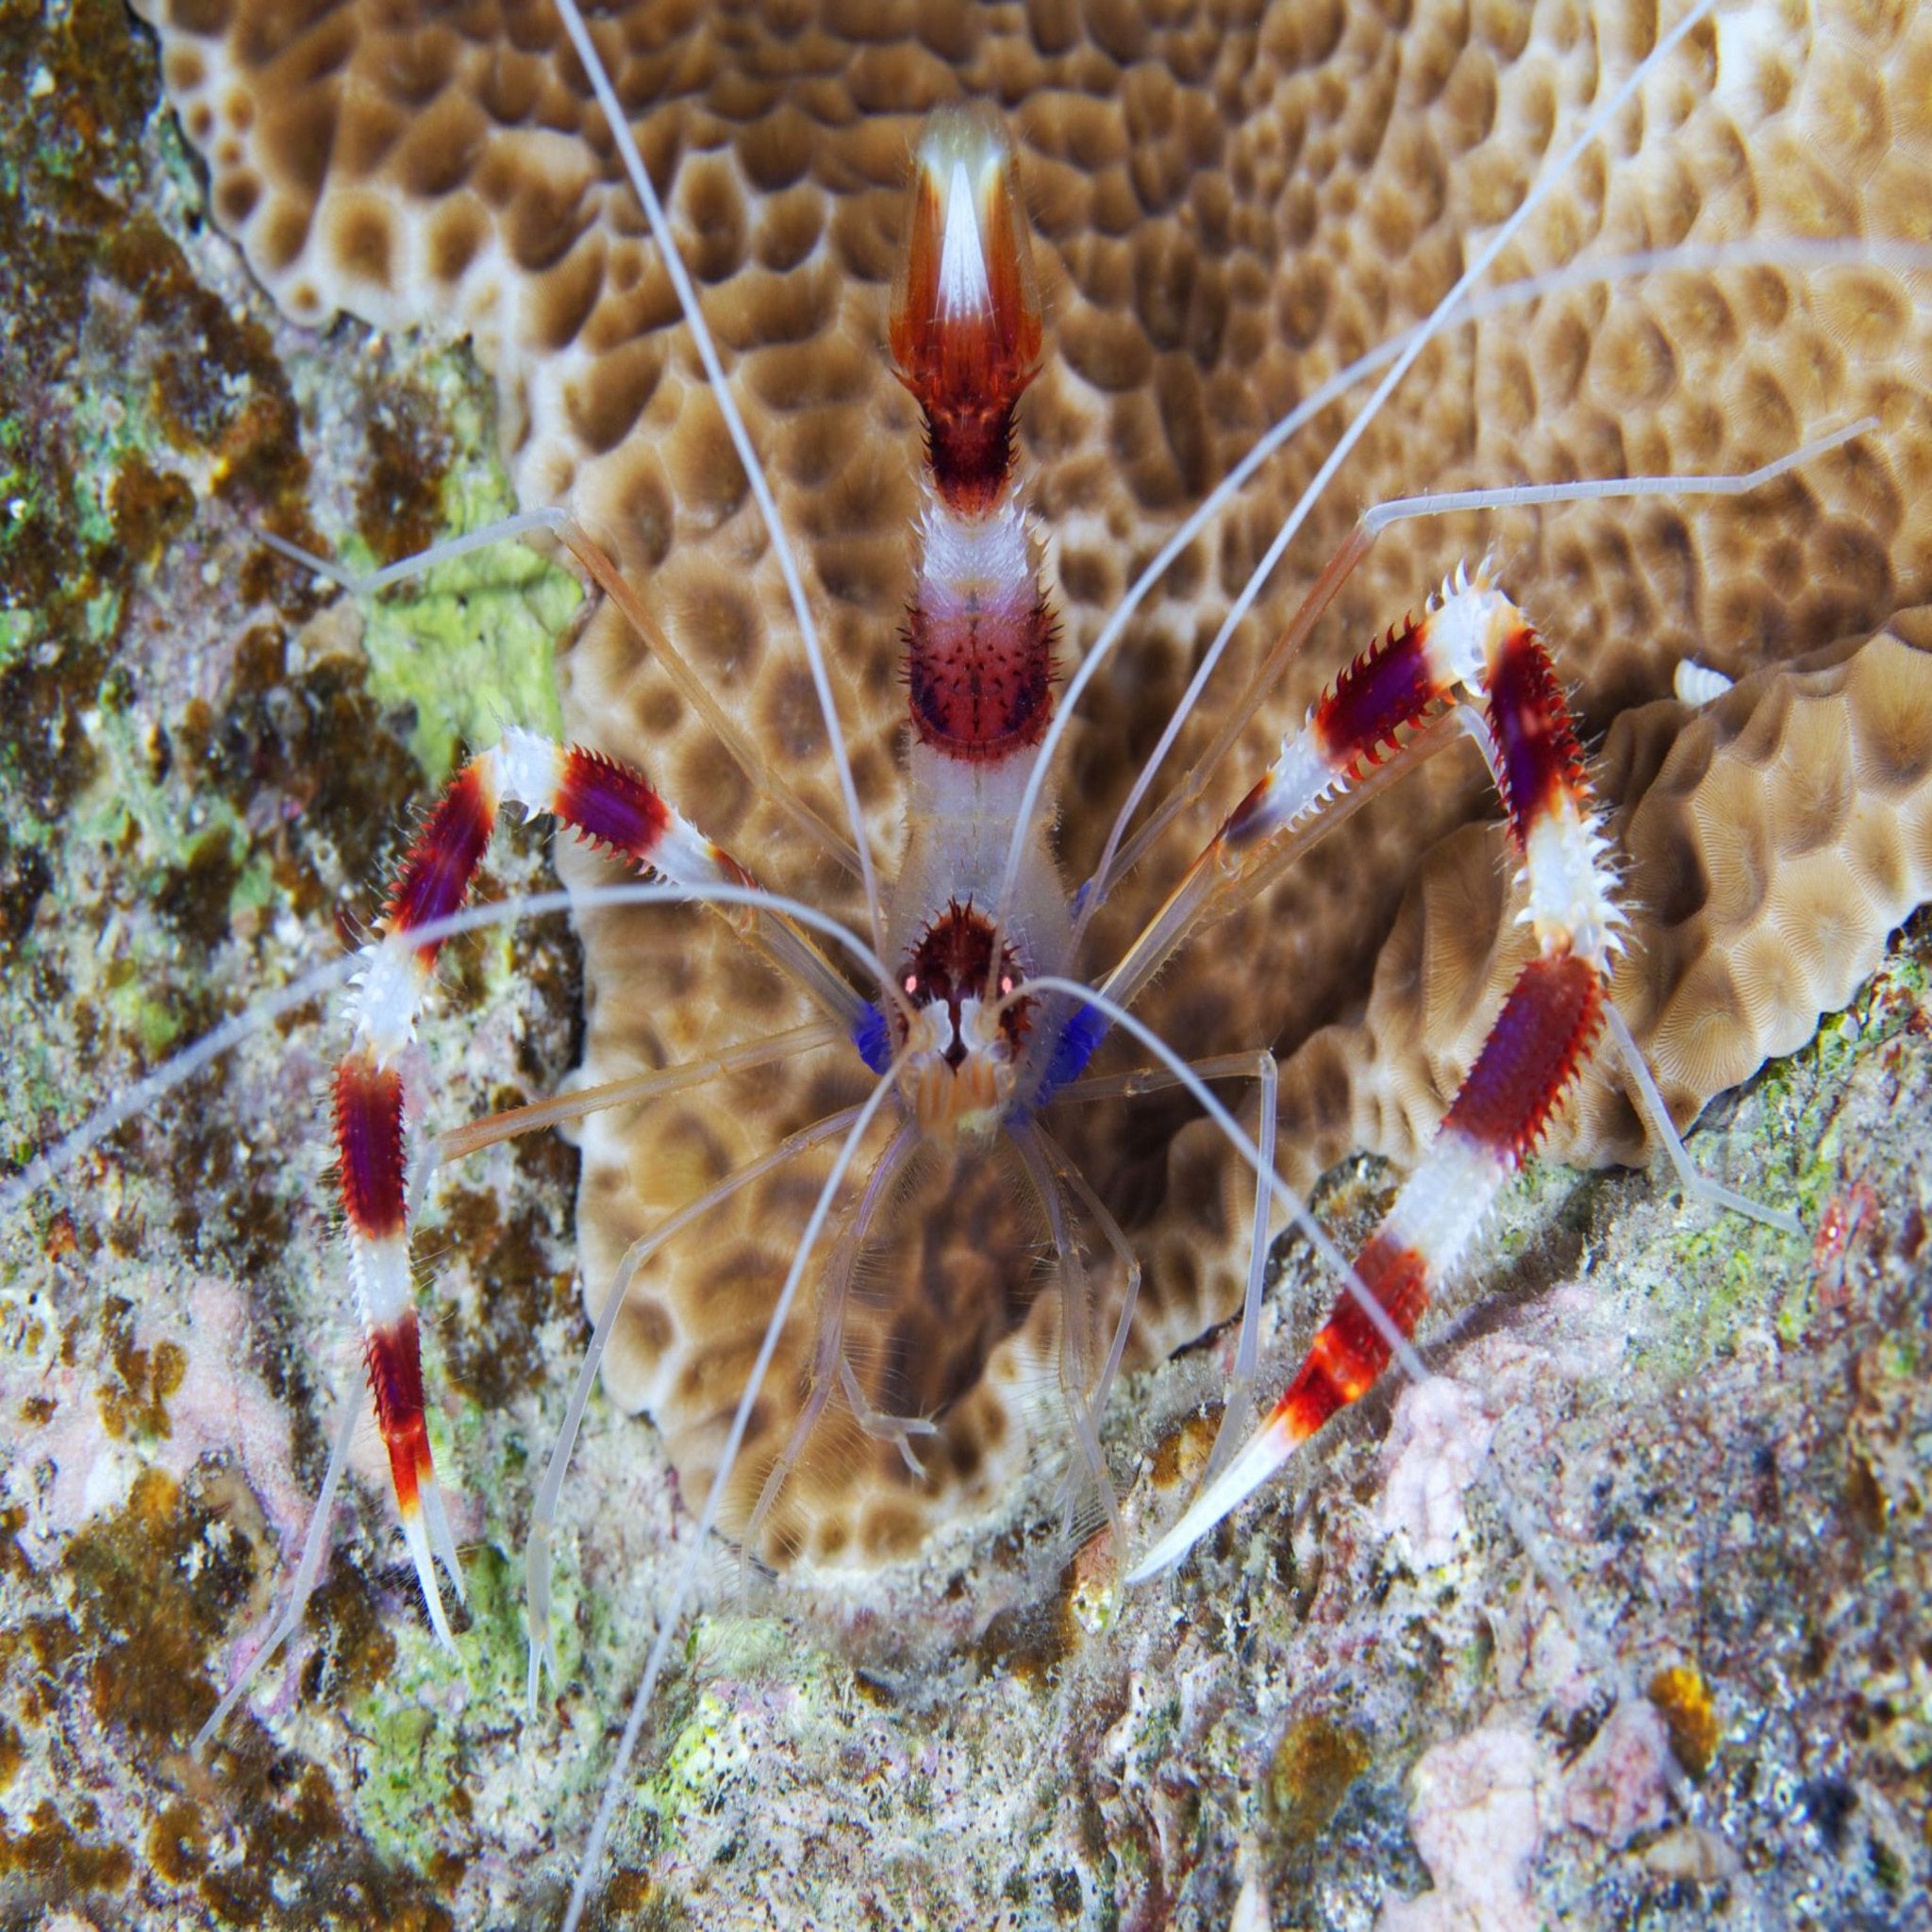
(953, 962)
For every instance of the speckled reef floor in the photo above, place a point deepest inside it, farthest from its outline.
(1621, 1621)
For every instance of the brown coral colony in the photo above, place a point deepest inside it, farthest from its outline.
(1216, 212)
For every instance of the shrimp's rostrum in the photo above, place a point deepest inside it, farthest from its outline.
(982, 405)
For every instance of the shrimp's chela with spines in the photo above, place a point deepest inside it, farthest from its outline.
(966, 1010)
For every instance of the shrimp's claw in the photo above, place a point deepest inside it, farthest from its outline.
(1263, 1452)
(369, 1140)
(414, 1523)
(966, 326)
(395, 1380)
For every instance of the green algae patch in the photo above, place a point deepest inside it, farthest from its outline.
(711, 1749)
(467, 646)
(148, 395)
(1789, 1151)
(418, 1769)
(709, 1752)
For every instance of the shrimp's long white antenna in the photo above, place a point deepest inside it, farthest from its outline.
(740, 439)
(17, 1189)
(1443, 311)
(526, 523)
(1296, 1209)
(673, 1613)
(1692, 257)
(1443, 503)
(543, 1517)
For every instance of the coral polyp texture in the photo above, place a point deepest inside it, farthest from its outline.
(1677, 1474)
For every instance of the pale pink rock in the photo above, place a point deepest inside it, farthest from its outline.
(1477, 1821)
(1621, 1785)
(1438, 1440)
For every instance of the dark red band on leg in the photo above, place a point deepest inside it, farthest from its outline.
(1350, 1353)
(442, 861)
(1541, 758)
(395, 1380)
(1545, 1030)
(369, 1140)
(971, 451)
(1241, 824)
(1389, 687)
(981, 681)
(610, 805)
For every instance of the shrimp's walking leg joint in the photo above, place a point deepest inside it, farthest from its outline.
(1472, 641)
(607, 804)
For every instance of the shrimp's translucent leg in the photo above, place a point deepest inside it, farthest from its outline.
(1650, 1103)
(896, 1429)
(1241, 1382)
(1599, 122)
(829, 1356)
(1078, 1382)
(1117, 860)
(1123, 1253)
(597, 565)
(633, 1089)
(544, 1516)
(714, 1500)
(1263, 1068)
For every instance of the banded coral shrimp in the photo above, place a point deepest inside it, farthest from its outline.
(1163, 1808)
